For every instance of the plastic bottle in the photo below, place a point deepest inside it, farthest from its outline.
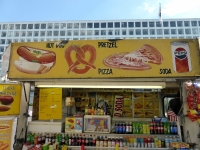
(105, 142)
(94, 140)
(121, 142)
(138, 142)
(123, 128)
(166, 141)
(144, 128)
(149, 142)
(109, 142)
(156, 142)
(171, 128)
(135, 141)
(130, 128)
(127, 128)
(152, 142)
(175, 128)
(120, 128)
(101, 141)
(165, 128)
(116, 128)
(161, 128)
(133, 128)
(168, 128)
(97, 142)
(142, 142)
(145, 142)
(113, 142)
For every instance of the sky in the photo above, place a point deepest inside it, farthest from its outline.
(61, 10)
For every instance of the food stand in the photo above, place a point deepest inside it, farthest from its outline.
(102, 93)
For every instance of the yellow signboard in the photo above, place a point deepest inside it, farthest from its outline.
(50, 103)
(5, 134)
(10, 96)
(105, 59)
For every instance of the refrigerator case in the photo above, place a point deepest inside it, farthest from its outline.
(97, 123)
(74, 124)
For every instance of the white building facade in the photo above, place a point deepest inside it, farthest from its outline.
(96, 29)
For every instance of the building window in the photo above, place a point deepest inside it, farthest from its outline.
(199, 23)
(110, 24)
(24, 26)
(130, 24)
(195, 31)
(137, 24)
(15, 40)
(8, 41)
(69, 33)
(172, 24)
(131, 32)
(0, 26)
(194, 23)
(165, 24)
(9, 33)
(43, 26)
(96, 25)
(82, 32)
(50, 25)
(96, 32)
(16, 33)
(76, 32)
(103, 32)
(36, 26)
(187, 31)
(158, 24)
(63, 25)
(144, 24)
(30, 26)
(62, 33)
(89, 25)
(116, 32)
(117, 25)
(35, 40)
(1, 49)
(151, 24)
(89, 32)
(138, 31)
(166, 31)
(49, 33)
(186, 23)
(2, 41)
(23, 33)
(124, 24)
(5, 26)
(179, 23)
(36, 33)
(123, 32)
(3, 34)
(145, 31)
(69, 25)
(17, 26)
(11, 26)
(29, 33)
(55, 33)
(83, 25)
(159, 31)
(173, 31)
(110, 32)
(103, 25)
(42, 33)
(56, 25)
(152, 31)
(180, 31)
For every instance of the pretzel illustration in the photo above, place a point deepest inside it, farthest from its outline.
(80, 58)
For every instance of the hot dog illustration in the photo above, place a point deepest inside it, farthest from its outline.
(3, 146)
(5, 103)
(34, 61)
(4, 127)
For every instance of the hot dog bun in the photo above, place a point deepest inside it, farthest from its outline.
(36, 55)
(5, 102)
(31, 67)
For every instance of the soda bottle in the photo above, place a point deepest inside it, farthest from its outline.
(28, 137)
(123, 128)
(127, 128)
(130, 128)
(149, 142)
(116, 141)
(113, 142)
(168, 128)
(144, 128)
(138, 142)
(94, 140)
(162, 143)
(156, 142)
(159, 143)
(152, 142)
(135, 141)
(165, 128)
(167, 142)
(121, 142)
(151, 127)
(109, 142)
(133, 127)
(171, 128)
(155, 128)
(142, 142)
(175, 128)
(98, 142)
(158, 127)
(145, 142)
(116, 128)
(105, 142)
(147, 128)
(43, 138)
(120, 128)
(161, 128)
(101, 141)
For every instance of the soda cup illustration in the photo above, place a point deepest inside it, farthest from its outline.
(181, 56)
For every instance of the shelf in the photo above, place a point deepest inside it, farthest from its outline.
(113, 148)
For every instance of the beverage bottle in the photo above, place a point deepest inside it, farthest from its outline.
(158, 127)
(155, 128)
(94, 140)
(159, 143)
(120, 128)
(109, 142)
(142, 142)
(73, 140)
(170, 140)
(151, 127)
(127, 141)
(165, 128)
(141, 128)
(35, 139)
(116, 128)
(137, 128)
(178, 139)
(47, 138)
(147, 128)
(127, 128)
(39, 139)
(152, 142)
(175, 128)
(138, 142)
(54, 139)
(161, 128)
(90, 141)
(156, 142)
(149, 142)
(101, 141)
(171, 128)
(113, 142)
(43, 138)
(28, 139)
(92, 110)
(135, 141)
(101, 111)
(133, 128)
(145, 142)
(168, 128)
(98, 142)
(86, 140)
(86, 110)
(166, 142)
(121, 142)
(63, 139)
(130, 128)
(105, 142)
(162, 143)
(131, 142)
(123, 128)
(116, 141)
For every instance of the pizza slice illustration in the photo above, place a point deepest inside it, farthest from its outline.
(135, 60)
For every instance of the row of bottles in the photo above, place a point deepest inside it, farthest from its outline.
(101, 141)
(146, 128)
